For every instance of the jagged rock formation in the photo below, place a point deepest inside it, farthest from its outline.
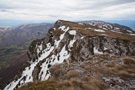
(69, 42)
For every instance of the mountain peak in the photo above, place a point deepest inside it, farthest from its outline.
(72, 42)
(98, 28)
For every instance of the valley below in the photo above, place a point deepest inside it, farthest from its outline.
(13, 48)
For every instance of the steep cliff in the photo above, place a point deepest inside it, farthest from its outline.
(73, 42)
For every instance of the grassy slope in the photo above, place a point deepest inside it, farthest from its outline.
(88, 74)
(12, 52)
(12, 60)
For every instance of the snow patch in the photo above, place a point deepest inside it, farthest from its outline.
(88, 28)
(105, 48)
(39, 48)
(82, 37)
(63, 28)
(131, 34)
(129, 31)
(54, 29)
(63, 54)
(61, 36)
(45, 73)
(71, 43)
(96, 51)
(100, 27)
(72, 32)
(105, 28)
(116, 31)
(80, 23)
(99, 30)
(117, 28)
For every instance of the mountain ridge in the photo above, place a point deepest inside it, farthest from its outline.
(68, 42)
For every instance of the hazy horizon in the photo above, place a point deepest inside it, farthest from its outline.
(11, 23)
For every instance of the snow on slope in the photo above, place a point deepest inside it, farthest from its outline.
(53, 59)
(28, 71)
(63, 28)
(132, 34)
(99, 30)
(72, 32)
(96, 51)
(111, 27)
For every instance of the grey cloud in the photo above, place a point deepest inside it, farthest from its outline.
(4, 6)
(86, 4)
(6, 10)
(70, 9)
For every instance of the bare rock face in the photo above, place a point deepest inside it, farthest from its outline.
(88, 45)
(69, 42)
(111, 27)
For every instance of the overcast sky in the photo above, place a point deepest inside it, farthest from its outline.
(67, 9)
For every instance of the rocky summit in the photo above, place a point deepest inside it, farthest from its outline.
(81, 56)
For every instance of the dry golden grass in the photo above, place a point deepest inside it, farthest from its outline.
(63, 83)
(123, 70)
(94, 84)
(129, 61)
(124, 73)
(58, 32)
(91, 32)
(43, 85)
(72, 74)
(89, 76)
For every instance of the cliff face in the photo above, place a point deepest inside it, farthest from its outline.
(69, 42)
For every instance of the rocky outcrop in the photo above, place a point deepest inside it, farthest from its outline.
(111, 27)
(101, 44)
(68, 42)
(85, 46)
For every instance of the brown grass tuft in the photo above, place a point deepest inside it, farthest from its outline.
(44, 85)
(72, 74)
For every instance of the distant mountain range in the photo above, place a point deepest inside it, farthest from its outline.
(22, 34)
(16, 23)
(129, 23)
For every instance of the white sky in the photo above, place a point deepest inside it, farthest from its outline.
(67, 9)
